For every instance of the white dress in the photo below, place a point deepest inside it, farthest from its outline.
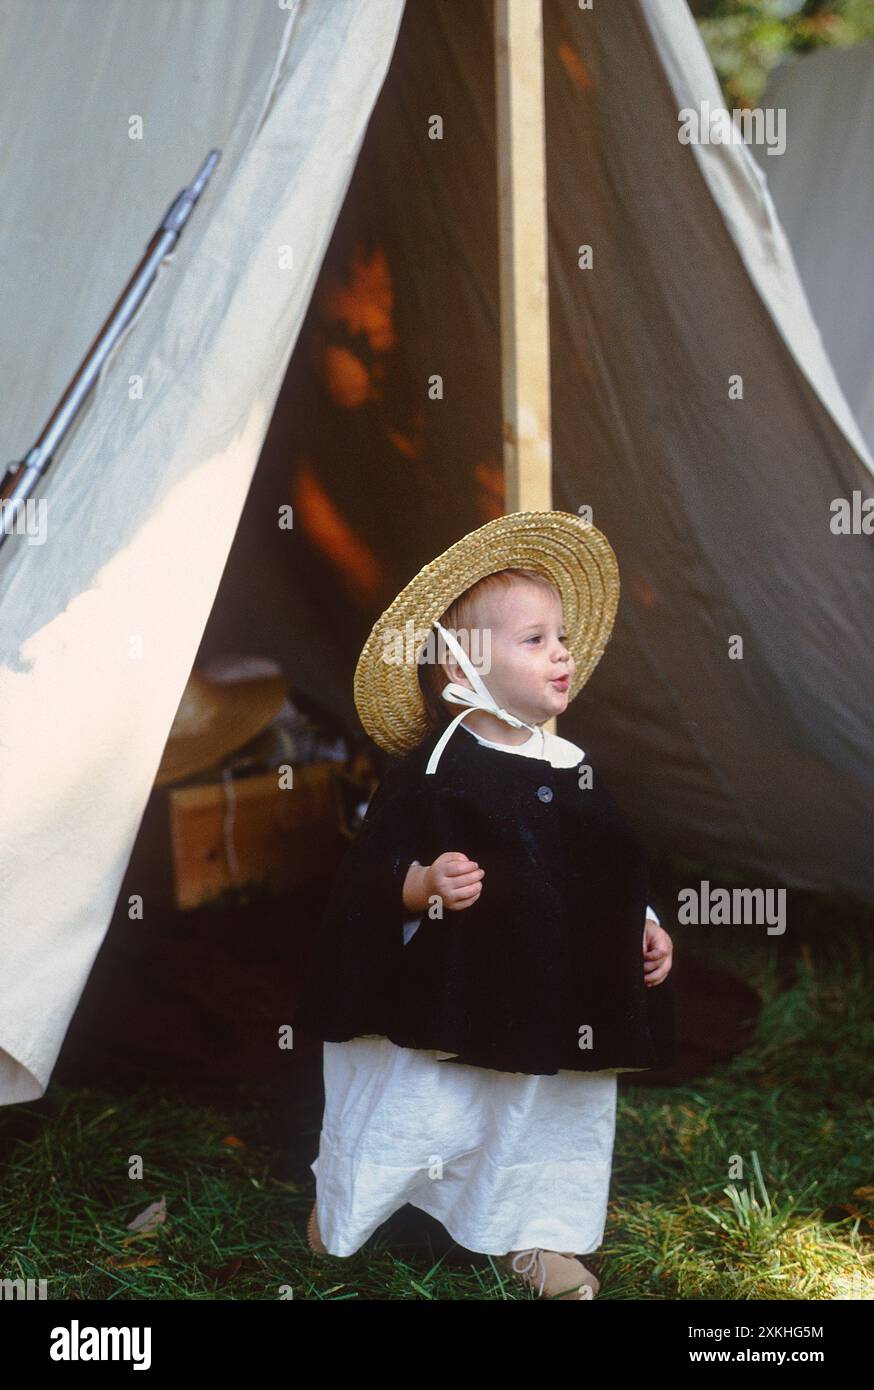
(503, 1160)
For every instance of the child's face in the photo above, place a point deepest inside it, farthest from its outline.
(528, 655)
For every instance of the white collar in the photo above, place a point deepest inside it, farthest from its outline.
(558, 751)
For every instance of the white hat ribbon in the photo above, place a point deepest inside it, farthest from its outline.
(478, 698)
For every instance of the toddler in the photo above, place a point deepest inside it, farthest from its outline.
(487, 963)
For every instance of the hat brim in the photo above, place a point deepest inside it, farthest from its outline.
(567, 550)
(247, 707)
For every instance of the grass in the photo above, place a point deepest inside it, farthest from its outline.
(754, 1182)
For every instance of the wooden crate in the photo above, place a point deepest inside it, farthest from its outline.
(283, 838)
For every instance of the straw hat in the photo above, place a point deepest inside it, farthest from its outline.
(214, 718)
(569, 551)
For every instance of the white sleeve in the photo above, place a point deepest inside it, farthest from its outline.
(410, 928)
(650, 913)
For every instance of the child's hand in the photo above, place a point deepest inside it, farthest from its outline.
(657, 953)
(455, 879)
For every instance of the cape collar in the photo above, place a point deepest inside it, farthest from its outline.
(469, 752)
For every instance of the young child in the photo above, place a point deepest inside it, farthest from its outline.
(487, 963)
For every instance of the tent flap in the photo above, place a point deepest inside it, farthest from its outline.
(103, 124)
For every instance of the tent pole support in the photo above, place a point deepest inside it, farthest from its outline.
(522, 243)
(522, 249)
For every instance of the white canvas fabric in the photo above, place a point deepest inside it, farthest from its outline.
(100, 624)
(734, 175)
(823, 190)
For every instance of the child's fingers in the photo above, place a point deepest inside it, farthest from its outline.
(462, 865)
(465, 889)
(463, 880)
(650, 965)
(655, 977)
(447, 886)
(464, 897)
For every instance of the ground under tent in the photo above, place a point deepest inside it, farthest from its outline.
(341, 259)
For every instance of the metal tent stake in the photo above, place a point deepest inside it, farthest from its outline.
(39, 458)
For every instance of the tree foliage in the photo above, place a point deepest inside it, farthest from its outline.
(746, 39)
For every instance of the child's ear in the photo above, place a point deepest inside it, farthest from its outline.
(452, 669)
(455, 673)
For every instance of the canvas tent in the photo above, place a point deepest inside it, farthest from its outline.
(163, 537)
(823, 191)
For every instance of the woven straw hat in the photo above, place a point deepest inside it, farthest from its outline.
(569, 551)
(216, 717)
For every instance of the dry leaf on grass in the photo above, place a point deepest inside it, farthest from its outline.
(153, 1216)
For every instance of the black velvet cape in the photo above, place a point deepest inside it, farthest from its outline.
(544, 972)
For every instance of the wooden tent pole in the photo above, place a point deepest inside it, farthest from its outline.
(522, 246)
(522, 251)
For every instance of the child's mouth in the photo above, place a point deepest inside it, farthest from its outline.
(562, 682)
